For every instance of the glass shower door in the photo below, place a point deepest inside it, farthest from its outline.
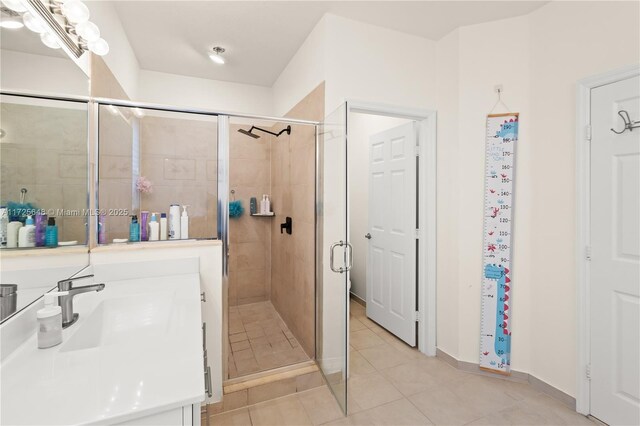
(333, 253)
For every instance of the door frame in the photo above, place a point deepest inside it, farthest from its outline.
(583, 221)
(426, 206)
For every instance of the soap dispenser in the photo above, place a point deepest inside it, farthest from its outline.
(184, 224)
(50, 321)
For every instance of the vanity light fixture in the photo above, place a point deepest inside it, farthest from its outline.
(32, 23)
(15, 5)
(216, 55)
(11, 23)
(49, 40)
(60, 23)
(10, 19)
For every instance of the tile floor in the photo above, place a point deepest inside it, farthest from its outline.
(259, 340)
(393, 384)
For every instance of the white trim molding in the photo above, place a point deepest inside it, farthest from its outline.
(427, 212)
(583, 219)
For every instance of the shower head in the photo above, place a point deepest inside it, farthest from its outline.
(248, 133)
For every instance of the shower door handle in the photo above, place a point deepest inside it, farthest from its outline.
(347, 259)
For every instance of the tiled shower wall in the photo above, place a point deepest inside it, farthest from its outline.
(293, 190)
(45, 151)
(249, 237)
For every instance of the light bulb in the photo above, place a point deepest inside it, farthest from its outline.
(11, 23)
(88, 31)
(99, 47)
(15, 5)
(49, 40)
(32, 23)
(75, 11)
(216, 58)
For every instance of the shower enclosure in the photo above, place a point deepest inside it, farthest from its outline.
(285, 275)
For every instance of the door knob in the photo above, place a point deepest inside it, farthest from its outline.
(368, 236)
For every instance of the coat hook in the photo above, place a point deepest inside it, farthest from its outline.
(628, 124)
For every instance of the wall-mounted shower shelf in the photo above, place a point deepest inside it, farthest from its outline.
(272, 214)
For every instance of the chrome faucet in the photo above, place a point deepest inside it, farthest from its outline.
(66, 302)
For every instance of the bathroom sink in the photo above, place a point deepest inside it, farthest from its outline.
(132, 320)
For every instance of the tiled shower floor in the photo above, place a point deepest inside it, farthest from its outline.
(259, 340)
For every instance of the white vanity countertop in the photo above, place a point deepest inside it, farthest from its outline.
(136, 350)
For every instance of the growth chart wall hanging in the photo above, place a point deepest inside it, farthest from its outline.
(495, 339)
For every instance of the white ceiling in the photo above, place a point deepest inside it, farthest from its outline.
(262, 37)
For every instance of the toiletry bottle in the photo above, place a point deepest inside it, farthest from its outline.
(134, 229)
(144, 222)
(263, 204)
(184, 224)
(4, 223)
(163, 226)
(154, 228)
(12, 233)
(267, 205)
(50, 321)
(51, 233)
(102, 229)
(253, 205)
(174, 222)
(41, 226)
(27, 234)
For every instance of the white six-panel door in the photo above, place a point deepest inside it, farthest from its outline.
(391, 257)
(615, 255)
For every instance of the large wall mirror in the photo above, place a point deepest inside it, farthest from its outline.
(44, 181)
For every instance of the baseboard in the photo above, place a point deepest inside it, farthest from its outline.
(516, 376)
(357, 299)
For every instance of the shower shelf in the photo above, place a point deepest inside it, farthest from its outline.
(272, 214)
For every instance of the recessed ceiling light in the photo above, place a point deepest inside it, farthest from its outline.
(215, 55)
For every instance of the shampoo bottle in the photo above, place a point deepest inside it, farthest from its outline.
(4, 223)
(174, 222)
(12, 233)
(144, 222)
(134, 229)
(41, 227)
(154, 228)
(27, 234)
(267, 208)
(51, 233)
(102, 229)
(163, 226)
(263, 204)
(50, 321)
(184, 224)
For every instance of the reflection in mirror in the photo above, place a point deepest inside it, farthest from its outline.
(26, 277)
(150, 160)
(43, 162)
(43, 187)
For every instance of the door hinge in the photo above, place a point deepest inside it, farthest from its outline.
(417, 316)
(417, 234)
(587, 132)
(587, 252)
(587, 371)
(417, 149)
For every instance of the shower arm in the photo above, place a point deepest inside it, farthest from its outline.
(286, 129)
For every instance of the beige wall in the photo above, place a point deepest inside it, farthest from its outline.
(541, 57)
(249, 237)
(293, 189)
(45, 151)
